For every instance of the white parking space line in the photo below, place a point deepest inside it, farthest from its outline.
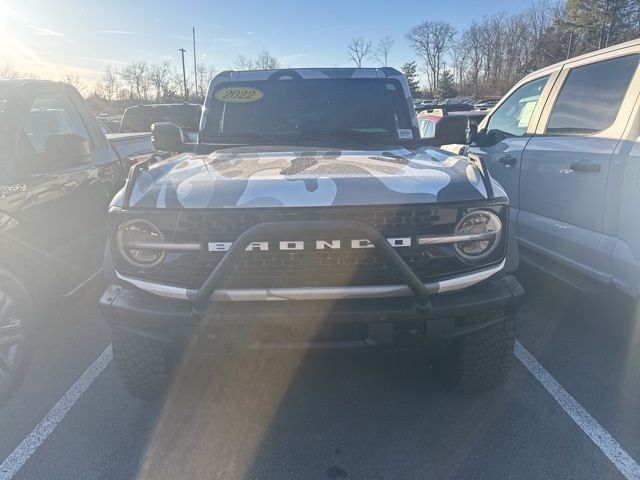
(603, 439)
(16, 460)
(84, 283)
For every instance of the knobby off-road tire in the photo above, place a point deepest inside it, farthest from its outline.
(143, 365)
(16, 333)
(478, 361)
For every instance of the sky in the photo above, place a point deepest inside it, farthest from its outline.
(51, 38)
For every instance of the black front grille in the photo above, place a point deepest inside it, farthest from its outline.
(309, 267)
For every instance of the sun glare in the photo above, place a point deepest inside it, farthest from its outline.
(27, 47)
(14, 50)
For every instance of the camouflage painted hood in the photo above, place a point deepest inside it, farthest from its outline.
(303, 176)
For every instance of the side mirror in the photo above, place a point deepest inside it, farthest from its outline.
(167, 137)
(472, 133)
(450, 129)
(64, 150)
(489, 138)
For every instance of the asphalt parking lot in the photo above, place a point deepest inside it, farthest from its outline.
(345, 414)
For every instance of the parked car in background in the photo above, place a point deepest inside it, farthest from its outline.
(565, 144)
(58, 172)
(111, 124)
(423, 103)
(141, 117)
(446, 106)
(428, 119)
(458, 101)
(486, 103)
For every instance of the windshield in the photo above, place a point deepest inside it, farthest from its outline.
(514, 114)
(304, 108)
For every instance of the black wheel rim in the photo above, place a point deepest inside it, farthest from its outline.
(11, 339)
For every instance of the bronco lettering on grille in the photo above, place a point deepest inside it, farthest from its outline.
(297, 245)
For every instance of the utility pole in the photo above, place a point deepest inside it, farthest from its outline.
(570, 44)
(184, 75)
(195, 64)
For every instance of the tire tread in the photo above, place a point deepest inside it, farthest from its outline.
(141, 364)
(481, 360)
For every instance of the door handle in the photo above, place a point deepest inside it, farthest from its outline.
(507, 160)
(583, 166)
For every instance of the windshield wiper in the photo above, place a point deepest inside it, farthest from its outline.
(353, 134)
(248, 137)
(303, 136)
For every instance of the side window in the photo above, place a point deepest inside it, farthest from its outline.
(513, 116)
(591, 97)
(52, 114)
(7, 130)
(4, 120)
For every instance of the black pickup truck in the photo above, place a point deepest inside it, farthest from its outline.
(58, 172)
(310, 213)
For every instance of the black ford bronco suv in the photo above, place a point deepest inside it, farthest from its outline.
(310, 213)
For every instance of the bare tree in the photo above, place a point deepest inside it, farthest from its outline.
(7, 71)
(75, 82)
(431, 41)
(176, 85)
(459, 56)
(541, 16)
(136, 77)
(123, 93)
(98, 91)
(263, 61)
(359, 49)
(160, 77)
(243, 63)
(382, 49)
(496, 51)
(110, 83)
(470, 42)
(557, 41)
(204, 74)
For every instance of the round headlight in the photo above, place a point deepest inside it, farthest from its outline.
(483, 228)
(133, 236)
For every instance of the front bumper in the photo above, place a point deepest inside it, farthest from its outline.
(411, 315)
(384, 321)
